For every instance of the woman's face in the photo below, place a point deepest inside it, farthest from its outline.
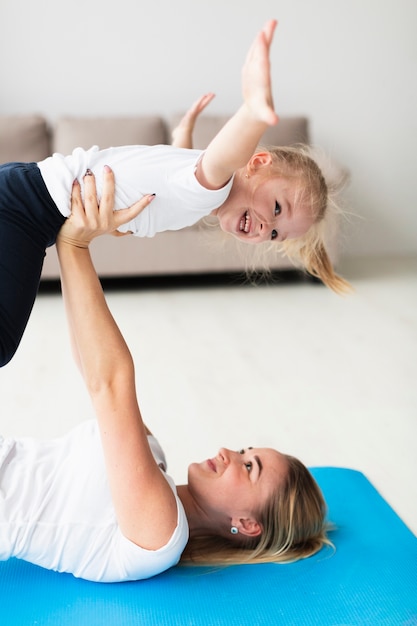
(235, 485)
(261, 209)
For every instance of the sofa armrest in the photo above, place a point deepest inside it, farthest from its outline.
(24, 138)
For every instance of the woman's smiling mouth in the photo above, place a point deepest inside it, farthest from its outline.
(211, 465)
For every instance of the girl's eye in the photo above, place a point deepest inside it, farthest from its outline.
(277, 211)
(248, 465)
(242, 451)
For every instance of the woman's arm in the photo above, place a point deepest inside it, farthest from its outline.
(144, 503)
(79, 232)
(236, 142)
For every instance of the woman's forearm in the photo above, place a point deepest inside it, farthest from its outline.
(102, 351)
(82, 290)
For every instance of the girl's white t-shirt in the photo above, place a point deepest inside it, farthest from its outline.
(166, 171)
(56, 510)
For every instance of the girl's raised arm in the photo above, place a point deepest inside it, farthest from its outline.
(182, 135)
(144, 503)
(236, 142)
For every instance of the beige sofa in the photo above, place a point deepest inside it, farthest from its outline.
(201, 249)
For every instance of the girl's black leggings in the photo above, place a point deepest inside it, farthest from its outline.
(29, 223)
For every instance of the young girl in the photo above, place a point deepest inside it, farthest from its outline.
(98, 503)
(258, 196)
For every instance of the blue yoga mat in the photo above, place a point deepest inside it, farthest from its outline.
(371, 579)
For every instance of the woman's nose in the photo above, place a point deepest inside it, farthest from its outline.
(224, 455)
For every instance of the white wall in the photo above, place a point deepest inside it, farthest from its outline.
(350, 65)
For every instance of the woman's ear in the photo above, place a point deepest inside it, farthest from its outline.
(258, 160)
(248, 527)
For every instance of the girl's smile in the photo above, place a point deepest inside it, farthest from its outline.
(264, 210)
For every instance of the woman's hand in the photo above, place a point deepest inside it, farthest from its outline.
(94, 219)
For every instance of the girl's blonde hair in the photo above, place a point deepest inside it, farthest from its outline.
(309, 250)
(293, 525)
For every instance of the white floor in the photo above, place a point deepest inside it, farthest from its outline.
(329, 379)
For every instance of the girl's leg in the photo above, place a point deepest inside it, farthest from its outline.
(29, 223)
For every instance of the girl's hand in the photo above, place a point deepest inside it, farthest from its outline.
(182, 134)
(94, 219)
(256, 77)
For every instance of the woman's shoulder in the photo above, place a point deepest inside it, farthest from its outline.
(139, 563)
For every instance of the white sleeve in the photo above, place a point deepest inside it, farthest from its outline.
(158, 453)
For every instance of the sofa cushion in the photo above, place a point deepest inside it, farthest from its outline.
(288, 131)
(84, 132)
(24, 138)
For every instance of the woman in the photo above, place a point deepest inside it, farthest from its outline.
(98, 502)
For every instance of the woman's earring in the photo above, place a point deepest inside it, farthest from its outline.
(234, 530)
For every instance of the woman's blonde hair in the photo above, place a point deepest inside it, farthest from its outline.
(309, 250)
(293, 525)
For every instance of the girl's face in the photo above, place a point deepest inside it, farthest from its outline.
(234, 485)
(261, 209)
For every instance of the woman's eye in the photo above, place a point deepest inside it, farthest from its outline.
(248, 465)
(277, 208)
(274, 234)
